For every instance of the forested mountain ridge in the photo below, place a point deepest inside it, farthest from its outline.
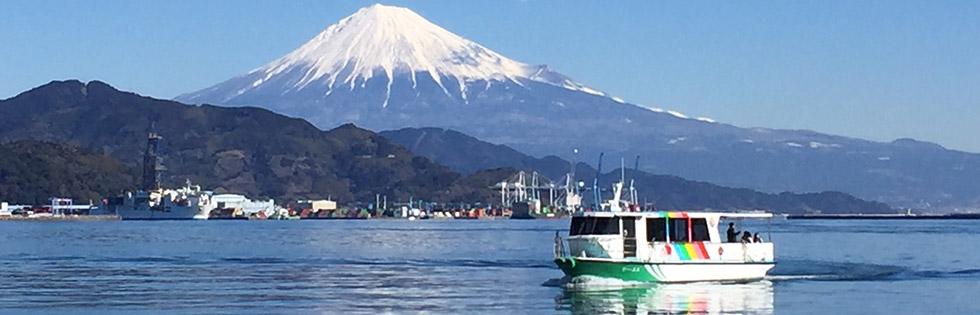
(33, 171)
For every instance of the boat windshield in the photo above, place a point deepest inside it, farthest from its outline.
(594, 226)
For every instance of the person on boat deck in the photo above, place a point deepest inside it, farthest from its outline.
(732, 234)
(746, 237)
(756, 238)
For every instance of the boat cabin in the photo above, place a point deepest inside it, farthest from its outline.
(664, 236)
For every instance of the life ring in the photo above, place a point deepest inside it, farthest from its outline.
(668, 248)
(721, 250)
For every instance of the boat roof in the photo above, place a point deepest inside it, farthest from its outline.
(677, 214)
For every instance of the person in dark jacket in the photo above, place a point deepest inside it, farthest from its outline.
(732, 234)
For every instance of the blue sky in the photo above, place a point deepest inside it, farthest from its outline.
(877, 70)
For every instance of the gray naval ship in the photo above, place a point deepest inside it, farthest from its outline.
(153, 202)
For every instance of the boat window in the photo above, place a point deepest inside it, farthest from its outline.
(678, 230)
(699, 230)
(629, 227)
(606, 226)
(656, 230)
(594, 226)
(578, 224)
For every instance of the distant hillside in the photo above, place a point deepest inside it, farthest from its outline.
(33, 171)
(476, 187)
(671, 192)
(243, 150)
(464, 153)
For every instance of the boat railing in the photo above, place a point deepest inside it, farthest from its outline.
(559, 245)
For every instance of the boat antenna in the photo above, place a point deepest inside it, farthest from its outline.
(622, 170)
(571, 172)
(634, 199)
(595, 184)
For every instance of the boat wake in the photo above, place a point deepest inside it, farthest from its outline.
(456, 263)
(812, 270)
(249, 262)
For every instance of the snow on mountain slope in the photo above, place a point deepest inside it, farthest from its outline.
(382, 43)
(389, 41)
(393, 40)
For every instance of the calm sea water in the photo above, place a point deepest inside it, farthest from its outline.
(433, 266)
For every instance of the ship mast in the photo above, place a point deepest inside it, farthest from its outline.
(572, 198)
(596, 195)
(152, 163)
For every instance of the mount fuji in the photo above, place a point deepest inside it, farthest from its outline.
(381, 56)
(386, 68)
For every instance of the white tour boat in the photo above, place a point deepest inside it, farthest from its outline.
(661, 246)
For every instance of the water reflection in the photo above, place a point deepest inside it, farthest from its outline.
(696, 298)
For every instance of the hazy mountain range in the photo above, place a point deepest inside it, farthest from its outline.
(466, 154)
(259, 153)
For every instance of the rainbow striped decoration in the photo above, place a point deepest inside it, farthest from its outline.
(690, 251)
(671, 214)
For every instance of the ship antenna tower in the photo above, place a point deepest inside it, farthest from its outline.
(152, 163)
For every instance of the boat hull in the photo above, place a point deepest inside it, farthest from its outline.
(664, 272)
(189, 213)
(539, 216)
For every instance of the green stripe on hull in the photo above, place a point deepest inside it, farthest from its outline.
(628, 271)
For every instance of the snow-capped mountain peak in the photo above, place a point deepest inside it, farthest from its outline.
(390, 40)
(388, 67)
